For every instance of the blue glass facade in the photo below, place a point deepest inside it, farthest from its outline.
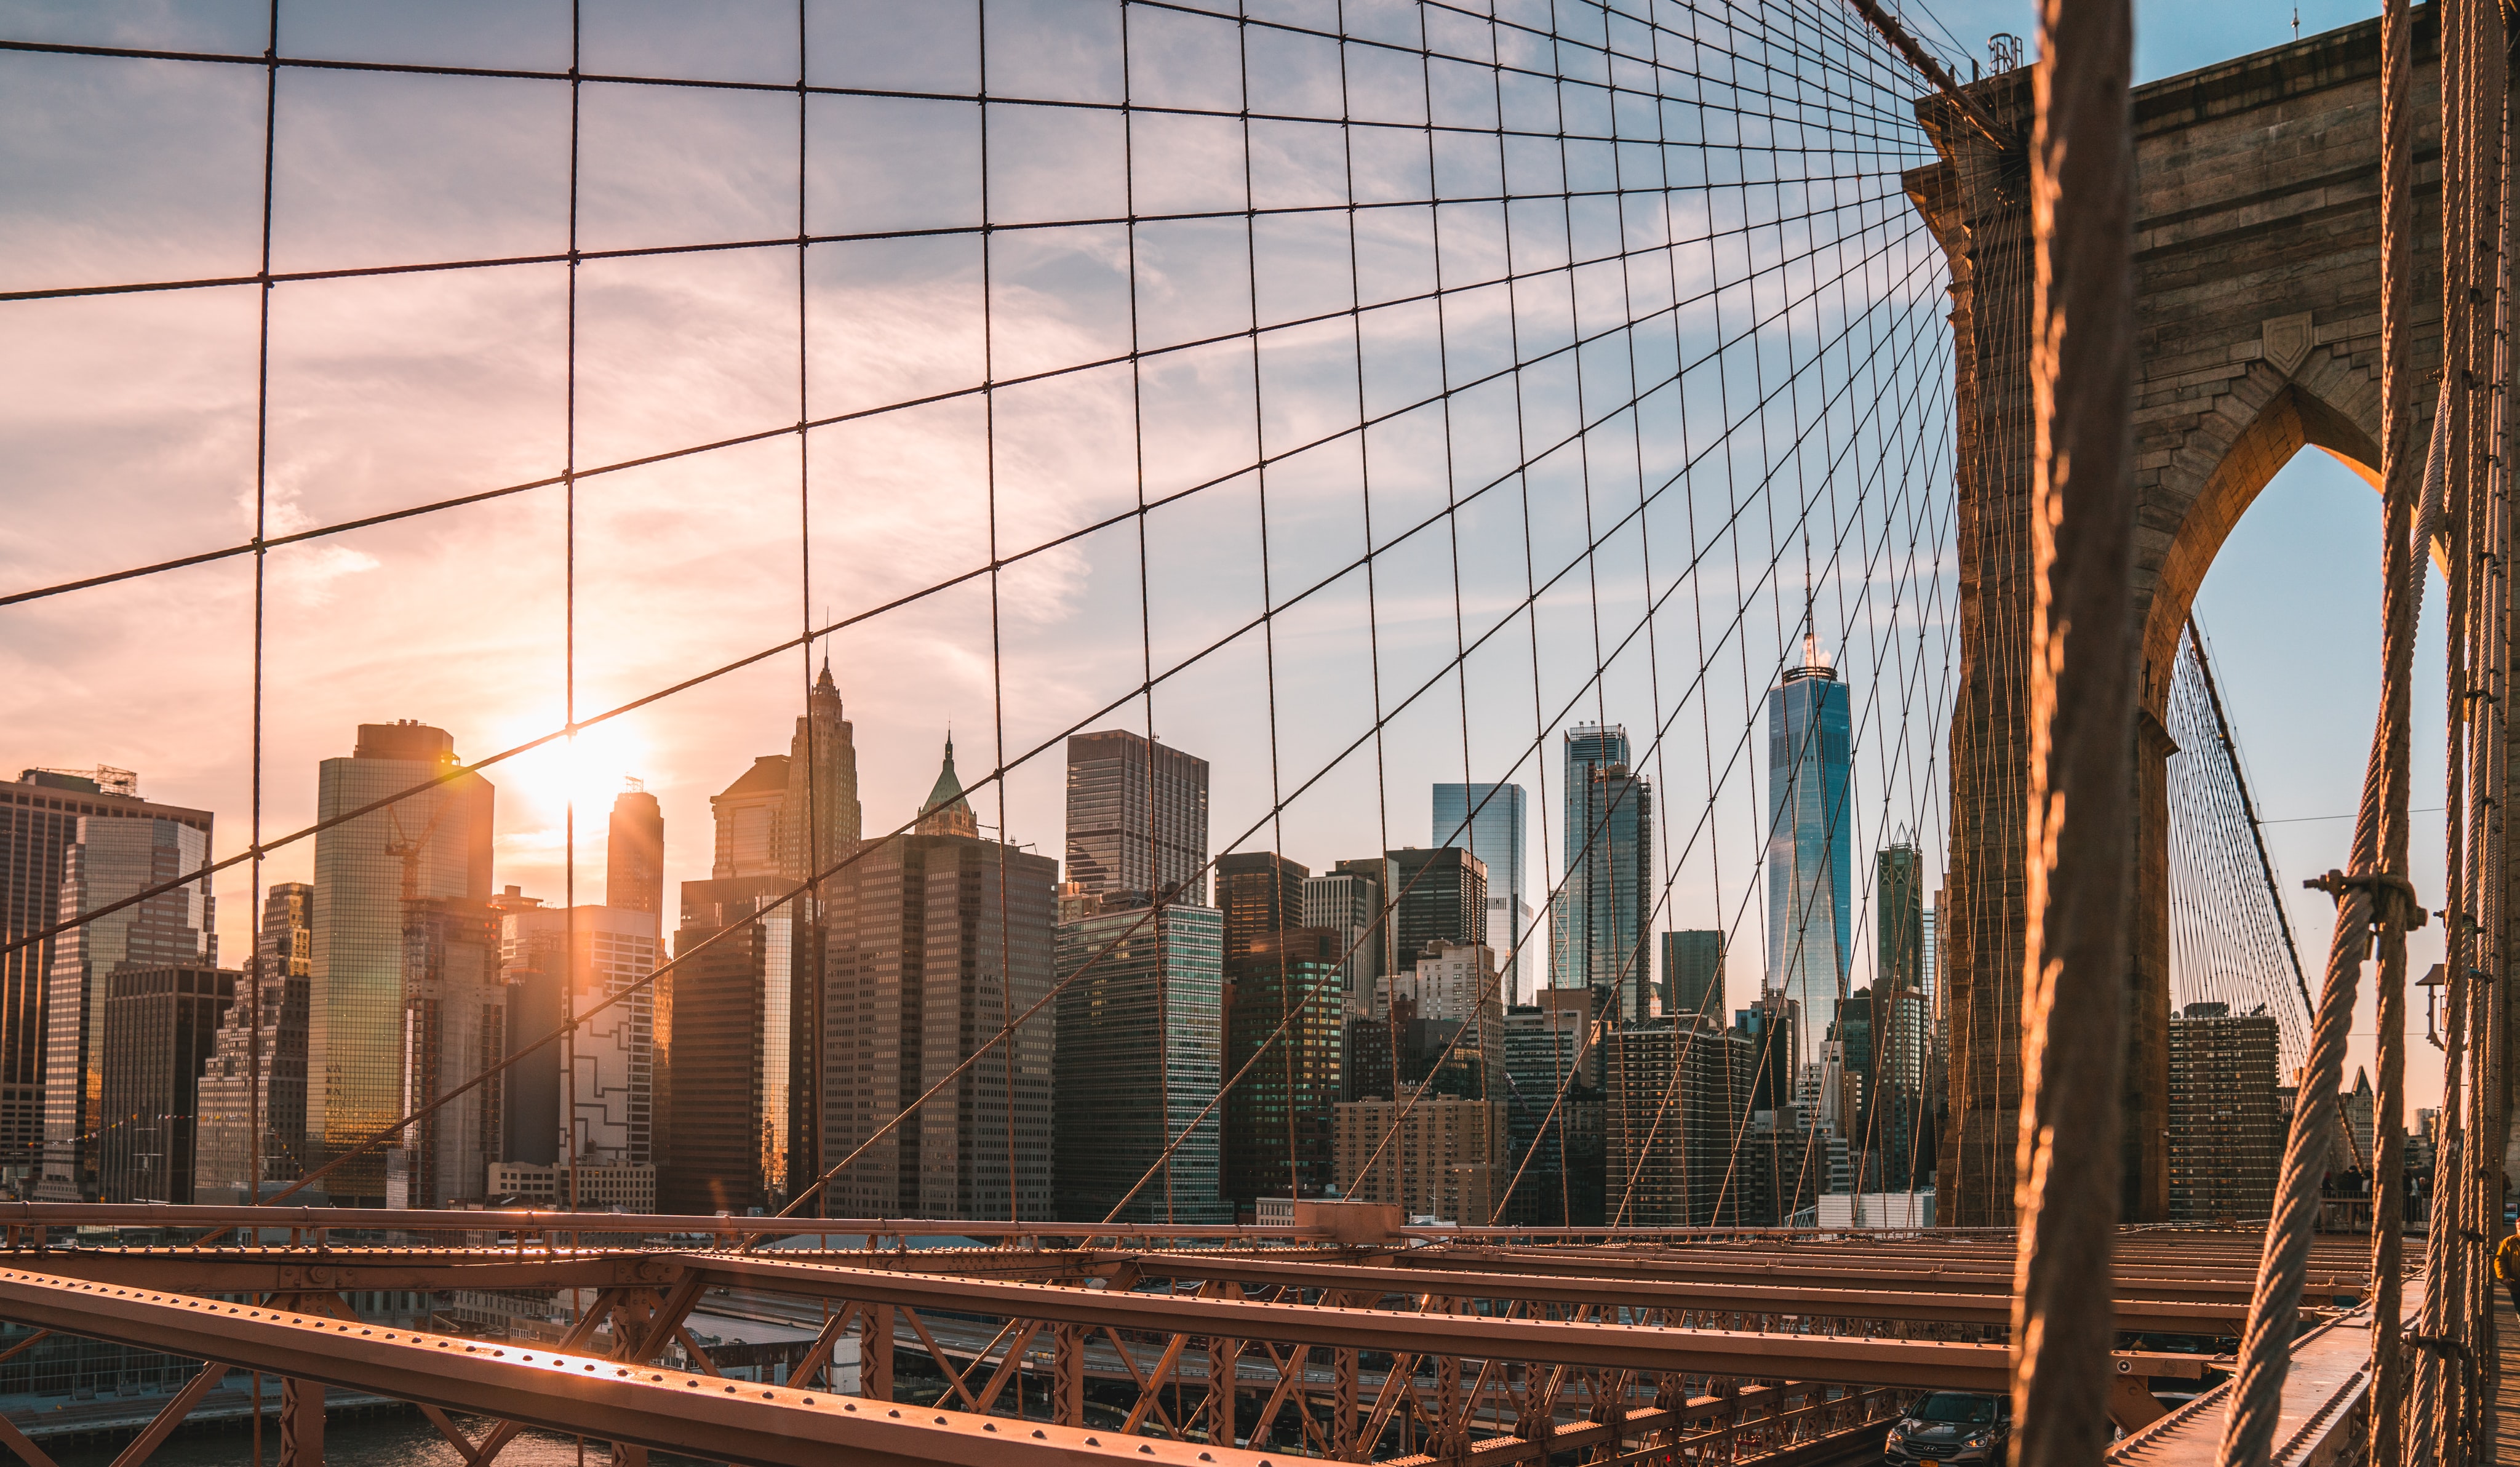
(1809, 847)
(1493, 814)
(1598, 923)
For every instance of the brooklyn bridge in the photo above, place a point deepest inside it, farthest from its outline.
(1366, 389)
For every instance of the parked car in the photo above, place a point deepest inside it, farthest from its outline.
(1952, 1426)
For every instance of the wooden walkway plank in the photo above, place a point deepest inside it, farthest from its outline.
(2505, 1424)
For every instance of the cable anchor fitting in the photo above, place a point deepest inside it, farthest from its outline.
(2393, 900)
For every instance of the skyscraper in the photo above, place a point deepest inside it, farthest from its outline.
(1774, 1027)
(1810, 843)
(1692, 974)
(226, 1155)
(1138, 1047)
(1487, 820)
(39, 815)
(598, 952)
(748, 814)
(160, 1024)
(1136, 817)
(2226, 1130)
(1348, 901)
(435, 843)
(111, 857)
(1882, 1039)
(932, 941)
(1675, 1085)
(819, 816)
(1552, 1064)
(634, 854)
(1438, 896)
(454, 1027)
(1604, 909)
(1284, 1099)
(1589, 749)
(1261, 894)
(1899, 901)
(724, 1017)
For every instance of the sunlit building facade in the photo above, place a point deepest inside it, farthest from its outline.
(1348, 899)
(256, 1070)
(432, 844)
(39, 817)
(111, 857)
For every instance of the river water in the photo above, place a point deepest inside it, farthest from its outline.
(403, 1440)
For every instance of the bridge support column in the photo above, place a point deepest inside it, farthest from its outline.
(301, 1423)
(2143, 1079)
(874, 1364)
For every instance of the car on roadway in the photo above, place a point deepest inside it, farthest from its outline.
(1951, 1426)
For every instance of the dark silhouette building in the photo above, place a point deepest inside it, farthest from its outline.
(722, 1015)
(933, 942)
(1286, 1025)
(1675, 1093)
(1692, 975)
(1438, 896)
(1136, 817)
(1137, 1064)
(1554, 1103)
(160, 1023)
(634, 854)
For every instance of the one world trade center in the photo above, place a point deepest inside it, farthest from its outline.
(1810, 839)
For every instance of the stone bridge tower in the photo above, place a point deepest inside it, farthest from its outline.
(2257, 261)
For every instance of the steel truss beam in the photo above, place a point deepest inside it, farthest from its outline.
(1662, 1350)
(578, 1394)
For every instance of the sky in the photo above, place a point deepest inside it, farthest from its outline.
(131, 435)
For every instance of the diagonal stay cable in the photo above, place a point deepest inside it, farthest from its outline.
(906, 599)
(1592, 835)
(1056, 739)
(1782, 265)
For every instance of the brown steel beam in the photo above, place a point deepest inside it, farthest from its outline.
(152, 1215)
(235, 1272)
(2240, 1284)
(575, 1394)
(2158, 1316)
(24, 1446)
(1623, 1347)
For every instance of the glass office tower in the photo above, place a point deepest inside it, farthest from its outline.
(1810, 843)
(1600, 920)
(1487, 820)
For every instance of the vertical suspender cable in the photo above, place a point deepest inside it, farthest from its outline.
(2371, 895)
(2082, 726)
